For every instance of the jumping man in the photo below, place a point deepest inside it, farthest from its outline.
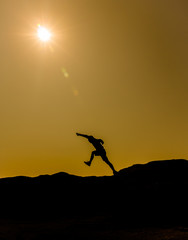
(100, 151)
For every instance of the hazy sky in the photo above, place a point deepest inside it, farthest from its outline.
(115, 69)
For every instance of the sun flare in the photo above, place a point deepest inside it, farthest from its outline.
(43, 34)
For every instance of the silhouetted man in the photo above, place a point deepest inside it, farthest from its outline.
(100, 151)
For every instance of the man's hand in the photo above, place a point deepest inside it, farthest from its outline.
(82, 135)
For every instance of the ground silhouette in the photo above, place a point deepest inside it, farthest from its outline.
(141, 196)
(149, 190)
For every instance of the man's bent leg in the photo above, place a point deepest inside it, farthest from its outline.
(91, 158)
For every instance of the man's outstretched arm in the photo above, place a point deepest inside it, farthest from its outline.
(82, 135)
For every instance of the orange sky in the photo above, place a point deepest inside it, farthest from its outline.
(113, 69)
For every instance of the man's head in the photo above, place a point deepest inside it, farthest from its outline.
(101, 141)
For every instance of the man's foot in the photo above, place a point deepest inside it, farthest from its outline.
(88, 163)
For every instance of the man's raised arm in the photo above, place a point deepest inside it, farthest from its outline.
(82, 135)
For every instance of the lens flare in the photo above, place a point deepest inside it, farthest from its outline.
(43, 33)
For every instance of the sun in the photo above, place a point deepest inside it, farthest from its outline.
(43, 34)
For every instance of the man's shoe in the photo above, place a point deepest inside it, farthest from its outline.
(87, 163)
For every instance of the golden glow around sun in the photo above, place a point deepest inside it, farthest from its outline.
(43, 33)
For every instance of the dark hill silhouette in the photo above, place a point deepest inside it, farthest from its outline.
(157, 171)
(152, 193)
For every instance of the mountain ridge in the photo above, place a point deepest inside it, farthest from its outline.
(155, 192)
(122, 171)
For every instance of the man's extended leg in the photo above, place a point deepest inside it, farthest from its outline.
(105, 159)
(91, 158)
